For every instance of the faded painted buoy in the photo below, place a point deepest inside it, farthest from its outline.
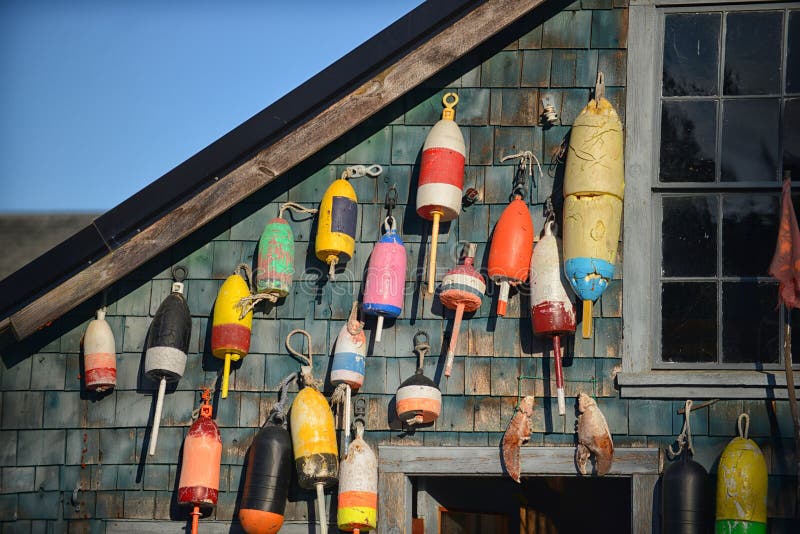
(552, 312)
(441, 176)
(358, 487)
(230, 331)
(202, 454)
(99, 355)
(275, 258)
(594, 185)
(742, 486)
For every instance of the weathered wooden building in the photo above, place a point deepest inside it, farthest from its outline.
(709, 93)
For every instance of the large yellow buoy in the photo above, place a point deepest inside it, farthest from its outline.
(594, 183)
(313, 435)
(230, 331)
(742, 486)
(338, 218)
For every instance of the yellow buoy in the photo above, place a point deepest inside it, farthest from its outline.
(336, 229)
(230, 331)
(742, 486)
(594, 185)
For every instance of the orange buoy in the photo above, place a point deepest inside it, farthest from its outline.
(462, 290)
(232, 323)
(202, 454)
(269, 471)
(512, 239)
(99, 355)
(441, 176)
(313, 434)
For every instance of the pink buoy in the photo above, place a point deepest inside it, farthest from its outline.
(462, 290)
(386, 277)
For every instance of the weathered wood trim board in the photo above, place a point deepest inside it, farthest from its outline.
(705, 384)
(452, 43)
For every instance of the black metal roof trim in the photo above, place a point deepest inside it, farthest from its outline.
(117, 225)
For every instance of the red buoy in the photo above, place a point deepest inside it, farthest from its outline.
(202, 455)
(511, 248)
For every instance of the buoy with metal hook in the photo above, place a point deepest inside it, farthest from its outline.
(167, 345)
(358, 485)
(418, 400)
(338, 218)
(441, 176)
(202, 454)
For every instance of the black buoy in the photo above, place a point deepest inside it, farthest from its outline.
(686, 491)
(269, 472)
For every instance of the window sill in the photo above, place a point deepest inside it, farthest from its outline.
(705, 384)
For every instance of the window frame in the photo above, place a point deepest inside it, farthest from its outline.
(642, 375)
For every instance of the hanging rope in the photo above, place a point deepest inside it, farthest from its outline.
(306, 370)
(684, 439)
(295, 207)
(359, 425)
(277, 416)
(526, 160)
(743, 432)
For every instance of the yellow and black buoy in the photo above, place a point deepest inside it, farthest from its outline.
(742, 486)
(338, 218)
(230, 331)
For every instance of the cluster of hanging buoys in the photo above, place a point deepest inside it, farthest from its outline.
(338, 218)
(742, 486)
(167, 345)
(357, 507)
(386, 273)
(462, 290)
(441, 176)
(269, 471)
(231, 325)
(593, 190)
(552, 312)
(313, 434)
(198, 485)
(99, 355)
(418, 400)
(512, 239)
(685, 488)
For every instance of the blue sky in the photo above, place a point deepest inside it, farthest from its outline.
(99, 98)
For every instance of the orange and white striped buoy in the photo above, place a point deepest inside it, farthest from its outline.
(99, 355)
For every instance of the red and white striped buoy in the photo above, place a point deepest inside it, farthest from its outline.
(99, 355)
(441, 176)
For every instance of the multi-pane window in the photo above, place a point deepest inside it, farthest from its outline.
(729, 128)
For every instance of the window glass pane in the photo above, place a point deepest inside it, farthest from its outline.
(750, 140)
(689, 236)
(689, 322)
(749, 322)
(753, 43)
(749, 231)
(688, 141)
(791, 137)
(793, 54)
(691, 54)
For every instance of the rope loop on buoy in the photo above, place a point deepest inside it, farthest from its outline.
(390, 224)
(306, 370)
(743, 433)
(248, 303)
(684, 439)
(354, 326)
(526, 161)
(421, 345)
(360, 427)
(277, 416)
(295, 207)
